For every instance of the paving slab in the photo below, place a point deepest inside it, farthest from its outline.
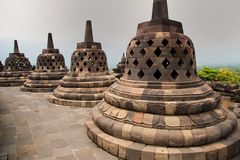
(31, 128)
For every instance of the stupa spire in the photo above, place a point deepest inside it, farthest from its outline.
(88, 32)
(16, 49)
(160, 9)
(123, 56)
(50, 44)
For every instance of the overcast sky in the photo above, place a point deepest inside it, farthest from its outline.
(213, 25)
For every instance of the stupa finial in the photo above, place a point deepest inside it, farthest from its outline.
(88, 32)
(50, 44)
(160, 9)
(16, 49)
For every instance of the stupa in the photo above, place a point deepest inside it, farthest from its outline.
(49, 70)
(88, 78)
(160, 109)
(17, 68)
(1, 66)
(120, 67)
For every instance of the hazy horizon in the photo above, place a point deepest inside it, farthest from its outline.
(213, 26)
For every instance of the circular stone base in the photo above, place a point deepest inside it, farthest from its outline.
(13, 79)
(11, 84)
(26, 89)
(74, 103)
(128, 150)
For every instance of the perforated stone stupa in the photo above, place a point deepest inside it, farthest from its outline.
(49, 70)
(1, 66)
(17, 68)
(160, 108)
(120, 67)
(88, 78)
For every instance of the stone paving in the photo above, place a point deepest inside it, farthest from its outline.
(31, 128)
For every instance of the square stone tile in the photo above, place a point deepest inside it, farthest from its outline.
(33, 129)
(84, 154)
(62, 152)
(44, 150)
(58, 143)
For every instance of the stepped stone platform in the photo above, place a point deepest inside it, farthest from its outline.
(88, 78)
(160, 108)
(17, 68)
(228, 90)
(49, 70)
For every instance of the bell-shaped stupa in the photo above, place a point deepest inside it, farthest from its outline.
(49, 70)
(160, 108)
(88, 78)
(1, 66)
(120, 67)
(17, 68)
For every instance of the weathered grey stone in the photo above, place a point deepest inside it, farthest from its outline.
(161, 102)
(134, 151)
(88, 78)
(17, 68)
(49, 70)
(68, 137)
(120, 67)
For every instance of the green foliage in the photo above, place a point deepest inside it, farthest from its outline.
(208, 74)
(225, 75)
